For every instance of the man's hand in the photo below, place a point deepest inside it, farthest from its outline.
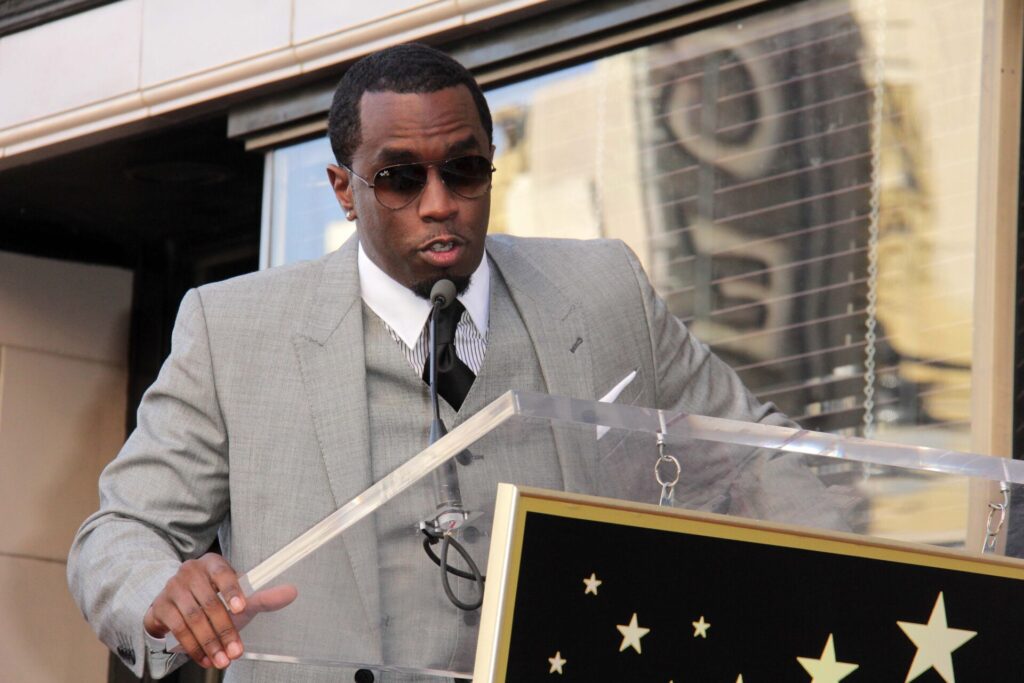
(190, 608)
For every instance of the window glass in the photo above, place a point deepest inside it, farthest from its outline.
(801, 188)
(305, 219)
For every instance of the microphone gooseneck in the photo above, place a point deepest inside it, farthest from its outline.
(450, 513)
(442, 294)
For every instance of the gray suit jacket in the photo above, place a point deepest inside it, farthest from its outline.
(257, 426)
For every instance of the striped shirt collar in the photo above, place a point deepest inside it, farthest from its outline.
(405, 313)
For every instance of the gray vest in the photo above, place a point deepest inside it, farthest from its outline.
(419, 624)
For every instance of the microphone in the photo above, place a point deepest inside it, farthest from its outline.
(451, 514)
(442, 293)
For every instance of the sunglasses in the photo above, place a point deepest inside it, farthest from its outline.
(395, 187)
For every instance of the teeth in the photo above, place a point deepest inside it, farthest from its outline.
(442, 246)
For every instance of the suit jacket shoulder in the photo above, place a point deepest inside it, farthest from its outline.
(279, 298)
(575, 266)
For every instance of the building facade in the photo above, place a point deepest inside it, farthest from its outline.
(825, 191)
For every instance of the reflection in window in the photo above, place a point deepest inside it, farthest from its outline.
(801, 189)
(738, 162)
(305, 221)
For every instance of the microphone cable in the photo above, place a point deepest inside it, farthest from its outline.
(441, 561)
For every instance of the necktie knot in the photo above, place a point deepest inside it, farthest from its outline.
(447, 322)
(454, 378)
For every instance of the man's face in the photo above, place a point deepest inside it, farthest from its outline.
(440, 234)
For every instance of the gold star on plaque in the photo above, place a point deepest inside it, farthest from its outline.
(631, 634)
(935, 643)
(592, 583)
(826, 669)
(556, 663)
(700, 628)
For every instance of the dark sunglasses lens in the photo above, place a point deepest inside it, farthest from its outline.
(396, 186)
(469, 177)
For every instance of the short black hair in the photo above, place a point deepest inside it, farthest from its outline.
(406, 68)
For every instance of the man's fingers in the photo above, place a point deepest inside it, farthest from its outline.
(210, 621)
(202, 630)
(190, 607)
(226, 582)
(175, 622)
(224, 627)
(266, 600)
(272, 599)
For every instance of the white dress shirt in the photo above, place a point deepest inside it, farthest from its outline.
(405, 315)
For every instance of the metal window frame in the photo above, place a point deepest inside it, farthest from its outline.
(994, 357)
(500, 55)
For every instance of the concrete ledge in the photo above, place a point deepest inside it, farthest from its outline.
(343, 44)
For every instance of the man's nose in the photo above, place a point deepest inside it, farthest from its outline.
(437, 203)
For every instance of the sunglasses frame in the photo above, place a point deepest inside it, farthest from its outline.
(427, 165)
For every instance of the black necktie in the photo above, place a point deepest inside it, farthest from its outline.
(454, 378)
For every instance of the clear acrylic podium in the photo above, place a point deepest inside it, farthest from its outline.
(369, 597)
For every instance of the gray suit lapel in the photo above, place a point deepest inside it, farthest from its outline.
(555, 323)
(330, 352)
(558, 329)
(330, 355)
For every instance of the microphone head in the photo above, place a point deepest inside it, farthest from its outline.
(442, 293)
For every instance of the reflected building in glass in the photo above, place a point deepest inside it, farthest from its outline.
(798, 185)
(741, 164)
(777, 178)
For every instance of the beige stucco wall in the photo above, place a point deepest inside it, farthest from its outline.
(63, 385)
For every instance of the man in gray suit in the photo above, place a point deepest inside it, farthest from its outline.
(289, 391)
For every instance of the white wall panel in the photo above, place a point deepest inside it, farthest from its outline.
(69, 63)
(315, 18)
(135, 59)
(184, 37)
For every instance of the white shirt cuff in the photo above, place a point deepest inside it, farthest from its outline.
(161, 662)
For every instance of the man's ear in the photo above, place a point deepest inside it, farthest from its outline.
(340, 179)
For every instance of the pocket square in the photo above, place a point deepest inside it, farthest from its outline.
(611, 396)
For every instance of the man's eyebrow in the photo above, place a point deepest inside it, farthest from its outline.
(467, 144)
(388, 156)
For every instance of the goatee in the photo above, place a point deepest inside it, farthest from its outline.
(422, 289)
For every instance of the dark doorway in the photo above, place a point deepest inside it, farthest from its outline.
(179, 208)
